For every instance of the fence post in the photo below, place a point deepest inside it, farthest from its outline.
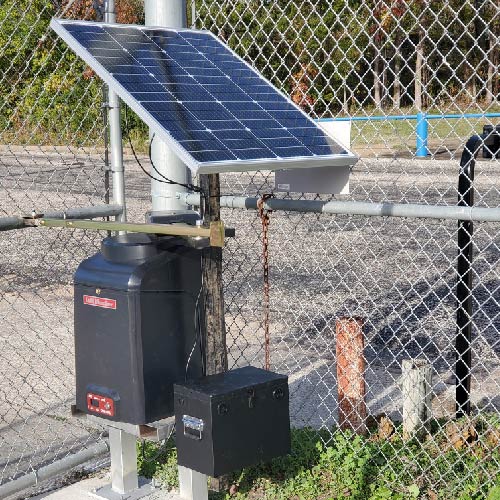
(213, 293)
(422, 135)
(115, 132)
(213, 298)
(350, 345)
(417, 397)
(464, 277)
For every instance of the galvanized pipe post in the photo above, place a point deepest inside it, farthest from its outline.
(170, 14)
(115, 132)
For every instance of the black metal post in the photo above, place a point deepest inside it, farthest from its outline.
(464, 281)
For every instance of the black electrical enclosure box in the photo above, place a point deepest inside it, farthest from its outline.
(135, 308)
(491, 147)
(231, 420)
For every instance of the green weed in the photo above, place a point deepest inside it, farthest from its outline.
(337, 465)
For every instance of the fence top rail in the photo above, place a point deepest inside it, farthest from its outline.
(418, 116)
(408, 210)
(19, 222)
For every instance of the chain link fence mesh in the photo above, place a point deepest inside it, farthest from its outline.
(371, 61)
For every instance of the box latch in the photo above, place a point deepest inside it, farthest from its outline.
(193, 427)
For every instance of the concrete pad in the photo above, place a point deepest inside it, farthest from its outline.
(83, 491)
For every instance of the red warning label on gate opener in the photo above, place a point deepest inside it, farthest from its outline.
(90, 300)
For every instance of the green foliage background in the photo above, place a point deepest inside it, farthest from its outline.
(327, 46)
(43, 93)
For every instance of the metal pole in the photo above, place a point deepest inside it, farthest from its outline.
(54, 469)
(422, 135)
(410, 210)
(171, 14)
(351, 368)
(105, 111)
(115, 132)
(11, 223)
(464, 280)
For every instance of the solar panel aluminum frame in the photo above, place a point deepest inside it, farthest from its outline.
(197, 167)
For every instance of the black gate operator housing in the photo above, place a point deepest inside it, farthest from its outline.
(231, 420)
(135, 308)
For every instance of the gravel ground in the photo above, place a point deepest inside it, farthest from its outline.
(397, 274)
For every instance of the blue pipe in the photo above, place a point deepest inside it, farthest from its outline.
(422, 135)
(422, 129)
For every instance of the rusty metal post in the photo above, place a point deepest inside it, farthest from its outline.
(351, 374)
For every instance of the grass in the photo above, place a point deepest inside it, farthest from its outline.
(454, 462)
(368, 137)
(399, 136)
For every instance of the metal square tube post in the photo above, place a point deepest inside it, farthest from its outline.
(123, 452)
(192, 484)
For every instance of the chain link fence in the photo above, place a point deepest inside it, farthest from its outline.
(379, 63)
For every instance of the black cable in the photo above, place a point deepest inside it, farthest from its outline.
(190, 187)
(164, 180)
(162, 449)
(127, 130)
(198, 337)
(200, 332)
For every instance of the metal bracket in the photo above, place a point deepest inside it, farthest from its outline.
(125, 483)
(154, 431)
(215, 233)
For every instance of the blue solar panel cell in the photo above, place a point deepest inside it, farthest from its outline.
(215, 110)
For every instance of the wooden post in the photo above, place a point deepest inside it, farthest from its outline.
(213, 299)
(213, 293)
(351, 374)
(417, 397)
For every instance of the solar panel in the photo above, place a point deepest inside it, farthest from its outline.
(213, 109)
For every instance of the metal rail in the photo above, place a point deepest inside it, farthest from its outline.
(410, 210)
(422, 128)
(10, 223)
(53, 470)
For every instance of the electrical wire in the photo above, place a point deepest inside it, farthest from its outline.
(162, 449)
(198, 339)
(200, 331)
(192, 187)
(164, 179)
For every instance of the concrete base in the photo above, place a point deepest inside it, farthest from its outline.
(107, 493)
(87, 489)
